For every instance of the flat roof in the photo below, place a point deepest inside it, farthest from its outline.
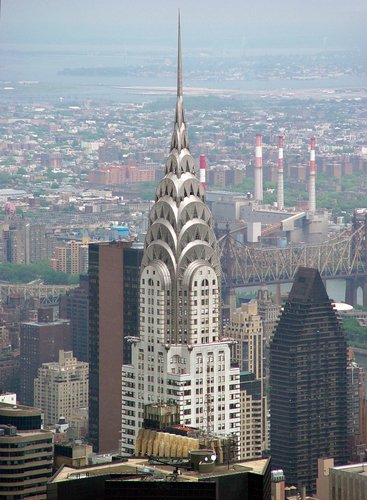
(18, 410)
(360, 468)
(136, 465)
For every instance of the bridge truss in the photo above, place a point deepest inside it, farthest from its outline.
(341, 256)
(47, 294)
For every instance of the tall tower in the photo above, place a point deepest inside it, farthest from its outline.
(179, 357)
(113, 295)
(246, 330)
(280, 193)
(258, 181)
(308, 383)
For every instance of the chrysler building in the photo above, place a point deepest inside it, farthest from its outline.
(179, 356)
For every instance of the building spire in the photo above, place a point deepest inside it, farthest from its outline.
(179, 137)
(179, 59)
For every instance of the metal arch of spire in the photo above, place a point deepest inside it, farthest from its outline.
(180, 229)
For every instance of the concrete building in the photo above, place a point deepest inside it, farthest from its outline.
(245, 330)
(61, 387)
(356, 410)
(269, 313)
(26, 453)
(139, 479)
(346, 482)
(277, 485)
(23, 243)
(308, 383)
(180, 357)
(9, 371)
(119, 175)
(72, 258)
(113, 315)
(71, 454)
(40, 342)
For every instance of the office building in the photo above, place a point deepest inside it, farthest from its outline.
(9, 371)
(71, 258)
(345, 482)
(113, 314)
(180, 357)
(40, 342)
(246, 332)
(356, 410)
(61, 387)
(308, 383)
(268, 311)
(26, 453)
(139, 479)
(74, 306)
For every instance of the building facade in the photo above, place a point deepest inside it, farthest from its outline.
(74, 305)
(113, 303)
(61, 387)
(356, 410)
(180, 357)
(26, 453)
(40, 342)
(268, 311)
(308, 383)
(71, 258)
(246, 331)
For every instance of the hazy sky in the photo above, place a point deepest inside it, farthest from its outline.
(205, 22)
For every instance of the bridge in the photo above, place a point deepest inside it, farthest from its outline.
(47, 294)
(341, 256)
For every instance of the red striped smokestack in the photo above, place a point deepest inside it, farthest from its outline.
(280, 194)
(203, 171)
(258, 180)
(312, 178)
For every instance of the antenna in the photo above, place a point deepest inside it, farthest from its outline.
(179, 58)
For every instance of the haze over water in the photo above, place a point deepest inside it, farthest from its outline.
(40, 39)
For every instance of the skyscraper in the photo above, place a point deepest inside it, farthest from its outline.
(308, 412)
(113, 299)
(179, 357)
(246, 330)
(74, 305)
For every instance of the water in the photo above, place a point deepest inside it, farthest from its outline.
(42, 65)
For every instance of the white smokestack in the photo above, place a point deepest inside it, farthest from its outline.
(312, 179)
(280, 194)
(258, 177)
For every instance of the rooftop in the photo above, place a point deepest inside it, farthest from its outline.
(140, 465)
(18, 410)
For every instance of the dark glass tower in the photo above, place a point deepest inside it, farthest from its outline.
(114, 274)
(307, 383)
(74, 305)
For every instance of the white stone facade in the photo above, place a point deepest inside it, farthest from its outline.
(61, 387)
(179, 356)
